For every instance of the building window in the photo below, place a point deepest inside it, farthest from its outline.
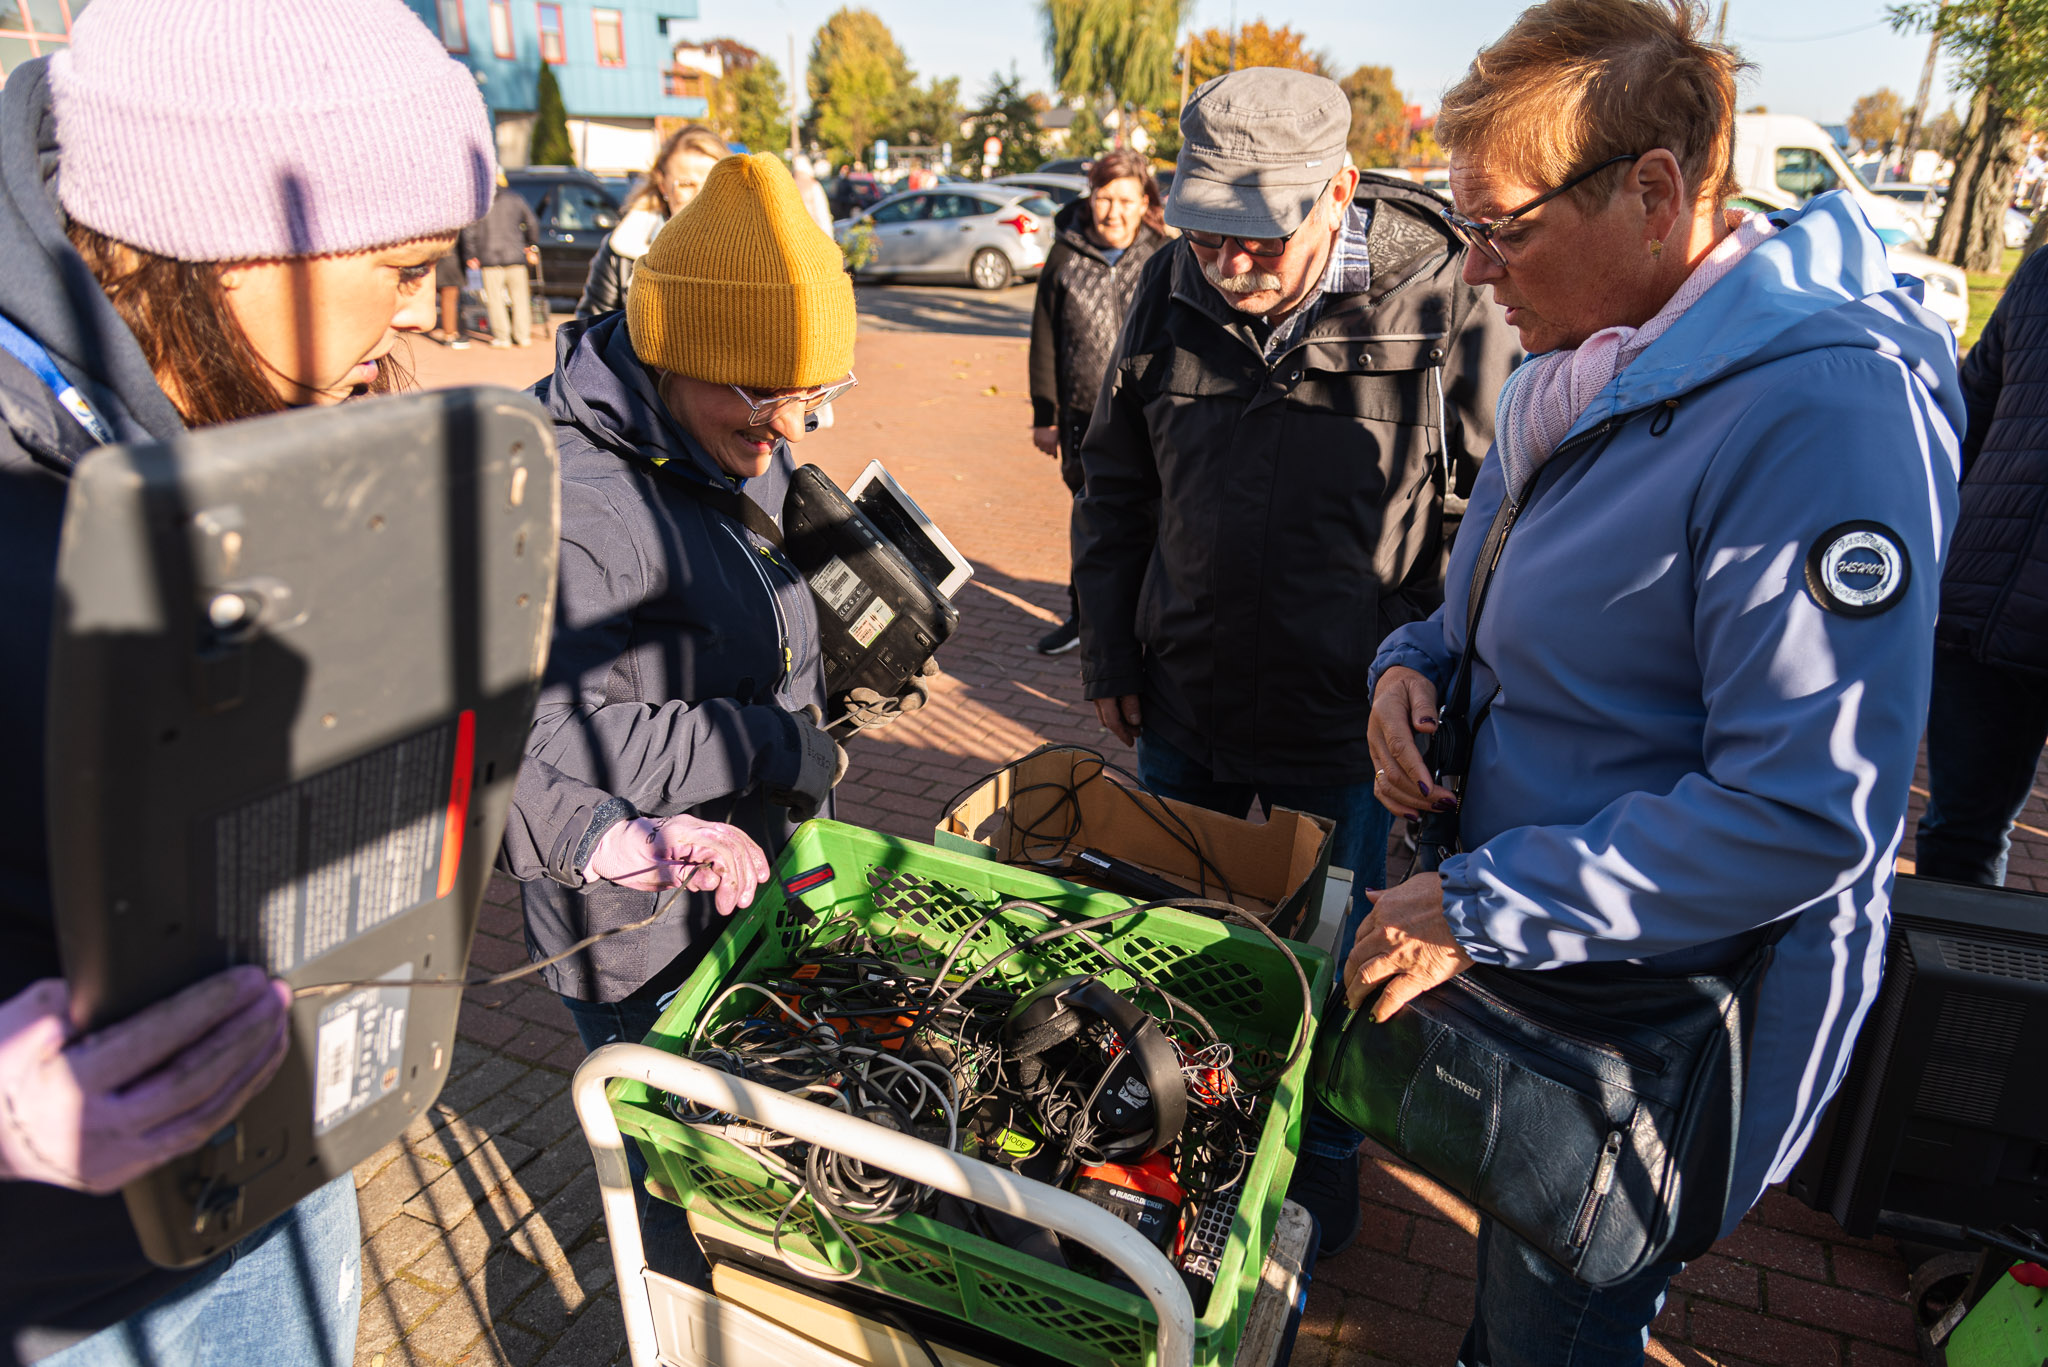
(552, 49)
(33, 28)
(454, 34)
(501, 29)
(683, 82)
(611, 37)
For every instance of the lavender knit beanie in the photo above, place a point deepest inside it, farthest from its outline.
(236, 130)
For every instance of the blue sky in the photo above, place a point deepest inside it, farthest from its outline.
(1814, 56)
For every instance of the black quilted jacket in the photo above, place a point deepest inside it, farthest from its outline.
(1082, 300)
(1994, 592)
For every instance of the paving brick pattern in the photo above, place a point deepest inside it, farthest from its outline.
(483, 1241)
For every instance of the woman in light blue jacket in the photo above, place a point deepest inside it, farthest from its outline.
(1704, 658)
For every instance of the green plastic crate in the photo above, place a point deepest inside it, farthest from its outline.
(1233, 975)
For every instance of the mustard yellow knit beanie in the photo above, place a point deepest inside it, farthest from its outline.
(742, 287)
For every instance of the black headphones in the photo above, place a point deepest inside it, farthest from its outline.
(1147, 1107)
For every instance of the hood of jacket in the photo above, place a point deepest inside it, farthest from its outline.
(46, 289)
(1070, 225)
(1822, 280)
(604, 391)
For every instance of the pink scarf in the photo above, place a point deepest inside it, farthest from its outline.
(1546, 395)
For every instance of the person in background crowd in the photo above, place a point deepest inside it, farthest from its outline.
(1702, 666)
(686, 156)
(264, 247)
(1085, 289)
(501, 246)
(448, 282)
(1988, 721)
(685, 683)
(1301, 391)
(811, 192)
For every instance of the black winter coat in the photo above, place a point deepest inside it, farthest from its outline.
(1251, 529)
(69, 1263)
(502, 235)
(682, 643)
(1994, 591)
(1080, 308)
(605, 285)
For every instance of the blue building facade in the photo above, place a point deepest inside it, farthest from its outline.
(612, 60)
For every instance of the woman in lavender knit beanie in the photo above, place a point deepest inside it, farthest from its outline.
(245, 139)
(209, 210)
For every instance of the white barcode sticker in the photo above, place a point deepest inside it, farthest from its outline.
(334, 1082)
(838, 585)
(878, 616)
(359, 1051)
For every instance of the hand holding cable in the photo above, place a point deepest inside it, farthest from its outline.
(681, 852)
(1404, 703)
(866, 708)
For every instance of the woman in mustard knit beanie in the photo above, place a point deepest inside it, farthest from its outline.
(686, 648)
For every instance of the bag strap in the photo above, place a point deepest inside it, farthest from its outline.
(732, 502)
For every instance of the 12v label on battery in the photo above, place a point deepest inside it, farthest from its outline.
(359, 1051)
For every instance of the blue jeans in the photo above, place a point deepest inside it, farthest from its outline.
(1359, 843)
(289, 1293)
(1529, 1312)
(1985, 729)
(664, 1228)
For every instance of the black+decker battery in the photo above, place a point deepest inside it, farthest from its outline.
(880, 618)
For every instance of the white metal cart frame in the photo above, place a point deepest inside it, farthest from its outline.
(716, 1333)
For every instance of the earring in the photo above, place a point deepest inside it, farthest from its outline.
(1656, 246)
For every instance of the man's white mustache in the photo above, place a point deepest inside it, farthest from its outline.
(1251, 282)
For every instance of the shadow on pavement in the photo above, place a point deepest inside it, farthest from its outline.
(927, 308)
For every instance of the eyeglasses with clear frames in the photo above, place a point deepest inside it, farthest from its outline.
(1478, 234)
(761, 409)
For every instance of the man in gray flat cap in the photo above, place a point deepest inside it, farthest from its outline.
(1300, 399)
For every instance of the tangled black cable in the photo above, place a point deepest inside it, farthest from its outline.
(1034, 833)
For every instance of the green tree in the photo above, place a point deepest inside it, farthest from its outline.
(1005, 112)
(929, 114)
(1115, 54)
(760, 106)
(1379, 116)
(858, 80)
(1875, 118)
(2000, 51)
(551, 146)
(1211, 52)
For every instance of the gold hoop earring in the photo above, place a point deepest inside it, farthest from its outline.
(1656, 246)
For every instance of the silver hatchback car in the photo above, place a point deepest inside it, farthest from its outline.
(989, 234)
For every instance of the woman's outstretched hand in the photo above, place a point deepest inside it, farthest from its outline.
(681, 851)
(1403, 703)
(1405, 943)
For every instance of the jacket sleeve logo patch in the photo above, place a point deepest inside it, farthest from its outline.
(1857, 569)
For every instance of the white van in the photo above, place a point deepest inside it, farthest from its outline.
(1782, 161)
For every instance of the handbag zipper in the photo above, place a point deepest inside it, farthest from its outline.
(1637, 1057)
(1596, 1190)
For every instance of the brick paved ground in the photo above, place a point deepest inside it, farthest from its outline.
(482, 1237)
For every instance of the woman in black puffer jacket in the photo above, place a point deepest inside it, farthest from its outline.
(1988, 719)
(1084, 291)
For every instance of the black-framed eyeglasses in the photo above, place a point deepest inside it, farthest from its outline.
(1479, 235)
(1265, 248)
(762, 408)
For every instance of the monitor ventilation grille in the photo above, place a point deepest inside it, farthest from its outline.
(1995, 960)
(1972, 1049)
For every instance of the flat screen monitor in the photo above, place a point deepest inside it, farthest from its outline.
(1944, 1114)
(292, 671)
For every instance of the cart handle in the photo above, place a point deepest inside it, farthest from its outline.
(927, 1164)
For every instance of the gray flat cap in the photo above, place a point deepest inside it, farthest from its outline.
(1257, 147)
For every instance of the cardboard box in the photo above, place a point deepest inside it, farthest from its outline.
(1044, 809)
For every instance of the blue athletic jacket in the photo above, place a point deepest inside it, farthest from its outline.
(1707, 650)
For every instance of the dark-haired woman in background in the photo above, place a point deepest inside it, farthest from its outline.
(1084, 291)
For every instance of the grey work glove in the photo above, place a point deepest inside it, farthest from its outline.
(865, 708)
(821, 766)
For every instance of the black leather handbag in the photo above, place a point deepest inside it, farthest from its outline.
(1591, 1109)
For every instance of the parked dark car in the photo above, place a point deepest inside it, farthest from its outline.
(576, 212)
